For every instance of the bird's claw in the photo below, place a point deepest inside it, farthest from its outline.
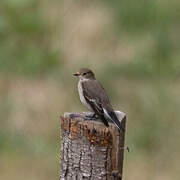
(91, 117)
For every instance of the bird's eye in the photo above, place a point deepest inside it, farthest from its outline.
(84, 73)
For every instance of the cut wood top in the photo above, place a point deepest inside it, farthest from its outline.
(95, 131)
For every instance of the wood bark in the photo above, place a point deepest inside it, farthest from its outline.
(89, 150)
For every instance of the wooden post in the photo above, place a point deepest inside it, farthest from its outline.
(89, 150)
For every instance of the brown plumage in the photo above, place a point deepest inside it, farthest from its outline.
(94, 97)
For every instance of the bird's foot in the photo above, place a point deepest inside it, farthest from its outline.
(91, 117)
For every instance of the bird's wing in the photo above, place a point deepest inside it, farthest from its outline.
(95, 94)
(93, 91)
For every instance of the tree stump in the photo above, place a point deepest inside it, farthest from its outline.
(89, 150)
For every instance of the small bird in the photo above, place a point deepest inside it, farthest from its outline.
(94, 97)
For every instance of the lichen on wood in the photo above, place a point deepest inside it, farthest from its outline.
(89, 150)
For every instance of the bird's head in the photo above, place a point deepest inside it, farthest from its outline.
(85, 73)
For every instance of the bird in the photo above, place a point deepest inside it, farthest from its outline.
(94, 97)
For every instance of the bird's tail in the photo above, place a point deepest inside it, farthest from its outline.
(112, 116)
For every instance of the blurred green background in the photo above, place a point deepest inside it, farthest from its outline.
(133, 46)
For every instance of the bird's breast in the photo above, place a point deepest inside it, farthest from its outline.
(81, 95)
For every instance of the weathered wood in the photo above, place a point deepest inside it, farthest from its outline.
(89, 150)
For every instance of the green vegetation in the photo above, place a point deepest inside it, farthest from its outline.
(158, 19)
(24, 39)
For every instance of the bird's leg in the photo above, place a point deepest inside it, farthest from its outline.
(91, 117)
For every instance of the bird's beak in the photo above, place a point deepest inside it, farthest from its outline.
(76, 74)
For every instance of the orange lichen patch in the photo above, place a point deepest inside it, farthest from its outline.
(73, 130)
(64, 122)
(69, 125)
(100, 138)
(95, 133)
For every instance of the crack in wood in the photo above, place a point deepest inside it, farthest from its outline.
(91, 167)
